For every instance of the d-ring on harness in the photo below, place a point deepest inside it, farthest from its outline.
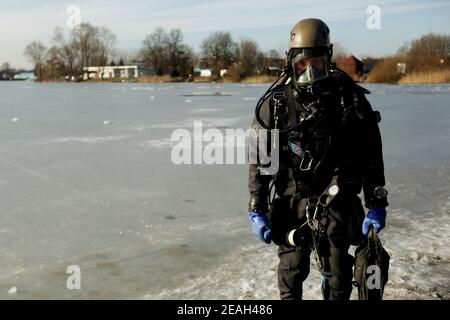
(322, 202)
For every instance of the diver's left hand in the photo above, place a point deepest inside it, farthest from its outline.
(376, 217)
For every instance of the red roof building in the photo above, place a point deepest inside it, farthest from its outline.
(351, 65)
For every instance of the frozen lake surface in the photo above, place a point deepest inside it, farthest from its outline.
(86, 179)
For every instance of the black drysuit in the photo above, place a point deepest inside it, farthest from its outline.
(345, 142)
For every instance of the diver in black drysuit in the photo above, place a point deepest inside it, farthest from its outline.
(339, 143)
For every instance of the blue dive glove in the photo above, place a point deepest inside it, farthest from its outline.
(376, 217)
(260, 225)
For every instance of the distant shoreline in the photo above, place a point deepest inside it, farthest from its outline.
(436, 77)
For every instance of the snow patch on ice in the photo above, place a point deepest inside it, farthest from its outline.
(203, 110)
(142, 88)
(189, 123)
(213, 141)
(158, 143)
(90, 140)
(12, 291)
(419, 268)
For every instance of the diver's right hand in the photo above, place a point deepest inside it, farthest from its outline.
(260, 225)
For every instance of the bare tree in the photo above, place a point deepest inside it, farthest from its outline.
(68, 50)
(153, 51)
(6, 72)
(175, 48)
(275, 59)
(104, 46)
(218, 51)
(126, 56)
(54, 65)
(249, 55)
(274, 56)
(186, 61)
(5, 67)
(85, 38)
(431, 51)
(35, 51)
(95, 44)
(85, 46)
(402, 52)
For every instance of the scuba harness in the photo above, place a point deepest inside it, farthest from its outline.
(308, 137)
(324, 107)
(307, 130)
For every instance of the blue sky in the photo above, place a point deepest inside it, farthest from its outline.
(268, 22)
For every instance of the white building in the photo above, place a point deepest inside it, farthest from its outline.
(25, 75)
(223, 72)
(205, 73)
(117, 72)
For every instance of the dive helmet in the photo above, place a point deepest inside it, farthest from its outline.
(309, 52)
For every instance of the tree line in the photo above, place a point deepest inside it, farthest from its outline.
(68, 53)
(428, 54)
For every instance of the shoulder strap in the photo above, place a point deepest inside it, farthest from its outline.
(291, 106)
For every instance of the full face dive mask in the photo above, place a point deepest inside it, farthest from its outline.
(307, 71)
